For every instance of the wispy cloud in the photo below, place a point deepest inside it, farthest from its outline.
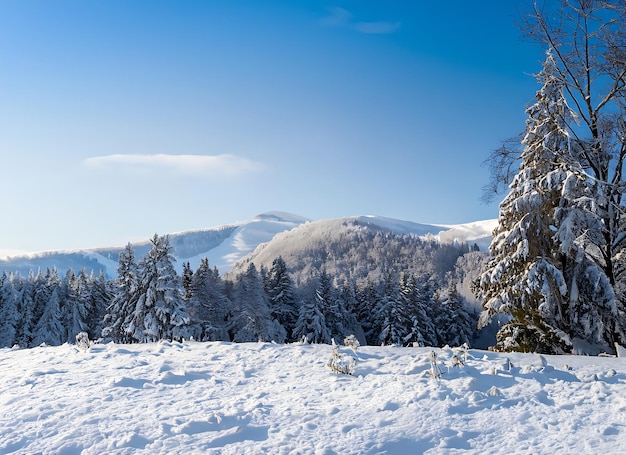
(337, 17)
(199, 165)
(340, 17)
(377, 28)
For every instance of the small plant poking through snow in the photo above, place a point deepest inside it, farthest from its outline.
(351, 342)
(340, 363)
(435, 371)
(82, 340)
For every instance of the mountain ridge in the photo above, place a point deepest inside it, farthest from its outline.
(226, 244)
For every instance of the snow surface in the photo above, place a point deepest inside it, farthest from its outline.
(226, 398)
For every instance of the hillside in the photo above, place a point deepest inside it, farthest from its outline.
(225, 245)
(251, 398)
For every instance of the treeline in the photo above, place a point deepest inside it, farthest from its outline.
(149, 301)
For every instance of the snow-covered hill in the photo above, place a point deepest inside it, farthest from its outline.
(225, 245)
(223, 398)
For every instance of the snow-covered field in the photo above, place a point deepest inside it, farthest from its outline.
(282, 399)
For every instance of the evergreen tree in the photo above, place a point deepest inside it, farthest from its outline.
(77, 302)
(252, 319)
(367, 297)
(208, 305)
(391, 312)
(328, 303)
(456, 324)
(282, 300)
(160, 312)
(311, 324)
(125, 296)
(99, 297)
(539, 254)
(49, 328)
(26, 309)
(187, 280)
(9, 314)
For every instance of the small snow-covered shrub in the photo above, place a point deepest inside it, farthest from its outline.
(340, 363)
(82, 340)
(351, 342)
(435, 371)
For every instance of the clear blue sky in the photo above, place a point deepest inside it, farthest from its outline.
(122, 118)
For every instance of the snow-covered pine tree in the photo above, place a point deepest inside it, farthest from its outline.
(251, 319)
(99, 297)
(125, 295)
(457, 326)
(9, 314)
(531, 276)
(26, 310)
(395, 323)
(420, 297)
(187, 279)
(367, 297)
(49, 328)
(311, 325)
(282, 300)
(160, 312)
(208, 305)
(77, 303)
(331, 307)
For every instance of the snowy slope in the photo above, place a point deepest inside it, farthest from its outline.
(223, 398)
(225, 245)
(222, 245)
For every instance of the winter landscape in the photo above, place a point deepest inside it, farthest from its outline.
(289, 335)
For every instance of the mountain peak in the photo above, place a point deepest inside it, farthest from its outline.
(281, 217)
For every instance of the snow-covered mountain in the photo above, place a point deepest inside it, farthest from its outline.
(225, 245)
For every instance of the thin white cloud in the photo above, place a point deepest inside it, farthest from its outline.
(199, 165)
(376, 28)
(337, 17)
(340, 17)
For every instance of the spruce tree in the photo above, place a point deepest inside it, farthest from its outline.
(281, 295)
(540, 256)
(208, 305)
(160, 312)
(9, 314)
(125, 295)
(252, 319)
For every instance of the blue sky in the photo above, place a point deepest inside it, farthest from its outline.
(122, 118)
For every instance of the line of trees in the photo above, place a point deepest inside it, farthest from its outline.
(150, 301)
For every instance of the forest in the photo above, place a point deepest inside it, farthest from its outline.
(150, 301)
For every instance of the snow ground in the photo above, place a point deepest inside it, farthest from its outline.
(226, 398)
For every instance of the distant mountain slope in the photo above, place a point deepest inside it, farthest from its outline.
(362, 247)
(227, 244)
(222, 245)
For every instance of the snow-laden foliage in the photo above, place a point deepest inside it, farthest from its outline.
(208, 304)
(251, 318)
(160, 311)
(120, 310)
(545, 247)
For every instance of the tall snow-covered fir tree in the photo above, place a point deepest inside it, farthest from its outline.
(393, 314)
(311, 326)
(208, 304)
(541, 259)
(160, 312)
(281, 295)
(9, 312)
(251, 319)
(125, 296)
